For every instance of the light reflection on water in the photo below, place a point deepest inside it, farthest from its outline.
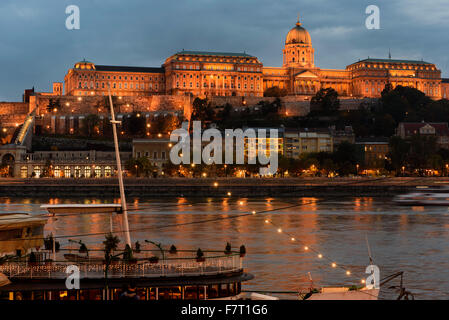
(409, 239)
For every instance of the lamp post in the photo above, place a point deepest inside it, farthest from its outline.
(357, 167)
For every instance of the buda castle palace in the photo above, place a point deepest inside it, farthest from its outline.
(206, 74)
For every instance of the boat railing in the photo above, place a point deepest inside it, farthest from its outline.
(137, 268)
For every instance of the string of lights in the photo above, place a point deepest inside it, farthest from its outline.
(292, 237)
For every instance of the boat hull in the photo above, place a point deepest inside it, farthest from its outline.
(364, 294)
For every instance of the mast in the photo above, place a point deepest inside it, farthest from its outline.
(119, 170)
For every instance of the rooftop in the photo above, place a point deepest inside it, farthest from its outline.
(393, 61)
(209, 53)
(372, 140)
(130, 69)
(410, 128)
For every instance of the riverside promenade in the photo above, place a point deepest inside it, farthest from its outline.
(216, 187)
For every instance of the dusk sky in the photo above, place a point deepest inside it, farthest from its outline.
(36, 49)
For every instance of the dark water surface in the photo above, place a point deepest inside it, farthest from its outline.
(409, 239)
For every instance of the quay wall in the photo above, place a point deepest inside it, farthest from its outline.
(204, 187)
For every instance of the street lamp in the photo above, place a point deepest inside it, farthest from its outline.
(357, 166)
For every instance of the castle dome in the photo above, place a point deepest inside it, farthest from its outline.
(87, 65)
(298, 35)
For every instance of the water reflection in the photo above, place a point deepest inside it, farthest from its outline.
(407, 239)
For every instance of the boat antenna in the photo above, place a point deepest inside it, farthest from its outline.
(371, 261)
(119, 170)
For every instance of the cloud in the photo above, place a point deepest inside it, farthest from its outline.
(37, 49)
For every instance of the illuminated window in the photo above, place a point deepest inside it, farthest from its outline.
(87, 172)
(37, 171)
(57, 172)
(98, 171)
(24, 172)
(67, 171)
(107, 171)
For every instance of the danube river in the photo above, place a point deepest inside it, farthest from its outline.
(409, 239)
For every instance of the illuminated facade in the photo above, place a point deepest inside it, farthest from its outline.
(86, 78)
(214, 74)
(365, 78)
(204, 74)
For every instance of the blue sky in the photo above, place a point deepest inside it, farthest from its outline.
(36, 48)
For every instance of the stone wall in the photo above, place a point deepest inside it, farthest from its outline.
(72, 105)
(294, 107)
(8, 108)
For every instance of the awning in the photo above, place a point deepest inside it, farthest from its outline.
(82, 208)
(4, 281)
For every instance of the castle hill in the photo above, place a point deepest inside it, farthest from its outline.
(377, 117)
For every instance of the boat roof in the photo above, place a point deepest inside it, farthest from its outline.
(13, 219)
(83, 208)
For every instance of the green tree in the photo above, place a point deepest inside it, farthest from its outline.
(275, 92)
(325, 100)
(202, 110)
(397, 156)
(140, 166)
(345, 157)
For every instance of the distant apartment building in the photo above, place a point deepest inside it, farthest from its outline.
(258, 143)
(299, 141)
(438, 129)
(373, 151)
(157, 150)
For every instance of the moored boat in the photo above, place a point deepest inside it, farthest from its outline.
(423, 199)
(20, 232)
